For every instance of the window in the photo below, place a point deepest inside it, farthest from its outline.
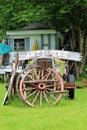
(21, 44)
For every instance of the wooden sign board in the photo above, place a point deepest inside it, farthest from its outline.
(66, 55)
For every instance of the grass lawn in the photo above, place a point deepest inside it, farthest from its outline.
(66, 115)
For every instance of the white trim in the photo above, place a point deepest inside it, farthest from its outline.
(29, 32)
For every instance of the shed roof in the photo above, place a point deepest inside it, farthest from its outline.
(36, 26)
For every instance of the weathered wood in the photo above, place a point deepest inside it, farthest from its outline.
(10, 83)
(69, 86)
(66, 55)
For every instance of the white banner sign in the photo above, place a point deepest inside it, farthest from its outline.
(66, 55)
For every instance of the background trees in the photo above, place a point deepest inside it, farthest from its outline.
(69, 17)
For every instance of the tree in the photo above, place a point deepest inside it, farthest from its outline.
(17, 13)
(72, 16)
(64, 15)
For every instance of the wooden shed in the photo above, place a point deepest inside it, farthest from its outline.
(34, 36)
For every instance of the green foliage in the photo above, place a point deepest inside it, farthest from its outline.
(78, 82)
(17, 13)
(84, 74)
(86, 69)
(66, 12)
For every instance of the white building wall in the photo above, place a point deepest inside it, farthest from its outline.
(33, 39)
(45, 39)
(52, 41)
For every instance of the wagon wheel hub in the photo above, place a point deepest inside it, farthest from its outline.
(41, 86)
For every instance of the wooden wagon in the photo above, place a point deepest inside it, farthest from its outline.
(41, 81)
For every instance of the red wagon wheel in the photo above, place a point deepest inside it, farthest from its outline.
(38, 86)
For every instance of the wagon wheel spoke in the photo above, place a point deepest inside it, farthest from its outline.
(24, 90)
(28, 89)
(48, 86)
(39, 73)
(52, 85)
(35, 98)
(36, 74)
(30, 77)
(40, 98)
(30, 84)
(42, 74)
(26, 93)
(47, 76)
(30, 94)
(51, 95)
(53, 90)
(33, 85)
(50, 89)
(46, 97)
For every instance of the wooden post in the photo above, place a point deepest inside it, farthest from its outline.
(8, 92)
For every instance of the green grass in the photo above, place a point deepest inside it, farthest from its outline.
(66, 115)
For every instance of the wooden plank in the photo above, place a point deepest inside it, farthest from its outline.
(66, 55)
(69, 86)
(11, 83)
